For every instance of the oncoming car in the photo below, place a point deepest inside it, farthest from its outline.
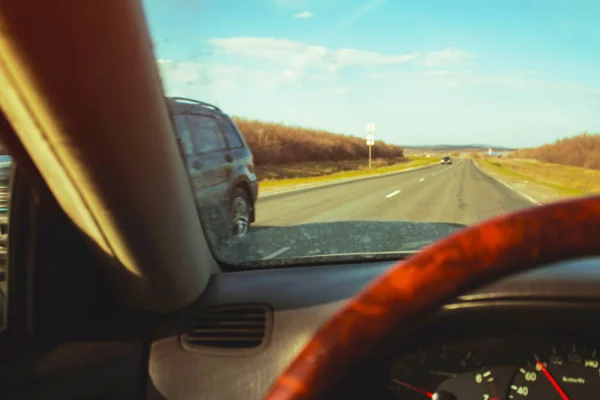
(446, 160)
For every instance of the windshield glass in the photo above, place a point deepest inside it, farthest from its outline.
(371, 128)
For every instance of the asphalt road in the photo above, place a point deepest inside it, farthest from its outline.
(395, 213)
(457, 193)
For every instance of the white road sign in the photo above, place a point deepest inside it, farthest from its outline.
(370, 133)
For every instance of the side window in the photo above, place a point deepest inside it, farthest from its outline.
(183, 133)
(206, 135)
(233, 138)
(6, 165)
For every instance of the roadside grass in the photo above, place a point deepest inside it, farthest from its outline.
(566, 180)
(301, 174)
(319, 168)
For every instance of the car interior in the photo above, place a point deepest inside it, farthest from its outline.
(113, 291)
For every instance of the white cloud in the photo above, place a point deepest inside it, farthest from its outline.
(514, 86)
(340, 92)
(197, 78)
(304, 14)
(290, 3)
(302, 55)
(438, 73)
(362, 10)
(183, 78)
(472, 78)
(444, 57)
(321, 93)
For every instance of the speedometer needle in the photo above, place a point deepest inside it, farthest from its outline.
(561, 392)
(443, 373)
(411, 387)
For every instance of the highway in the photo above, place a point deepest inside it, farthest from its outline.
(389, 214)
(457, 193)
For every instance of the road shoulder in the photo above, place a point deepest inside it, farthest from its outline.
(533, 192)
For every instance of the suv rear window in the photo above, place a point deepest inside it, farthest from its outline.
(206, 135)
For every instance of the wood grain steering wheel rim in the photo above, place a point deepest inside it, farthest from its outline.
(474, 256)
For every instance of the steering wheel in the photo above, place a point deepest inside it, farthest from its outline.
(474, 256)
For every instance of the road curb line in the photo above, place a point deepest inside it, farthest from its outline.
(340, 182)
(520, 193)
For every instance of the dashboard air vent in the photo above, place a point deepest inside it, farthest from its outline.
(235, 328)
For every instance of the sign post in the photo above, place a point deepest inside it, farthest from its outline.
(370, 138)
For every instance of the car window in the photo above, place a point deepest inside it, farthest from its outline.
(6, 166)
(183, 133)
(206, 135)
(230, 134)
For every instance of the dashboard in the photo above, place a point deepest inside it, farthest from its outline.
(534, 335)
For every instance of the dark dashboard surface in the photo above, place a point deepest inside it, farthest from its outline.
(493, 332)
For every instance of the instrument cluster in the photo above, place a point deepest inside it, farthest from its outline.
(497, 369)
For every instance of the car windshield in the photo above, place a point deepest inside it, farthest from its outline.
(330, 129)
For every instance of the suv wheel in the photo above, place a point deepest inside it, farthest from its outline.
(240, 209)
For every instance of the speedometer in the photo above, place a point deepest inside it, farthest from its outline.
(442, 372)
(563, 372)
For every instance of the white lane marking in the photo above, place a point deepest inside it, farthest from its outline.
(276, 253)
(531, 199)
(421, 180)
(392, 194)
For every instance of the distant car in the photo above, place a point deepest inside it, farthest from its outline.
(219, 163)
(446, 160)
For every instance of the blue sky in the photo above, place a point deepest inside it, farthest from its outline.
(511, 72)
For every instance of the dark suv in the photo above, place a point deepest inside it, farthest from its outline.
(446, 160)
(219, 164)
